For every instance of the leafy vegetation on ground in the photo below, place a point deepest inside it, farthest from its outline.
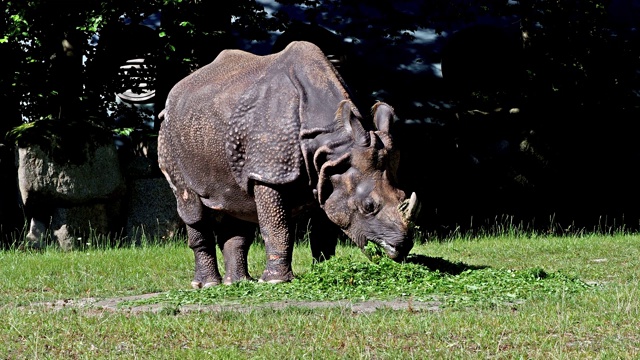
(343, 278)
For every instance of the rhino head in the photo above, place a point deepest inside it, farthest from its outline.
(357, 184)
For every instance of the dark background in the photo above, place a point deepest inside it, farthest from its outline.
(516, 113)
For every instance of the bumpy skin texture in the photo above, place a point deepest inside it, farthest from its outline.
(259, 139)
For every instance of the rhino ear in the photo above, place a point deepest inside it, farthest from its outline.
(327, 169)
(350, 117)
(383, 116)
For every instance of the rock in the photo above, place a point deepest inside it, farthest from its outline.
(71, 200)
(80, 224)
(152, 209)
(35, 237)
(40, 177)
(94, 189)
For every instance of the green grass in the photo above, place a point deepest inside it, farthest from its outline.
(499, 297)
(50, 274)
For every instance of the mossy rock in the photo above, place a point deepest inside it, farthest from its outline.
(63, 141)
(66, 162)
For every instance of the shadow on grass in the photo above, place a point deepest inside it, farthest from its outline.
(441, 265)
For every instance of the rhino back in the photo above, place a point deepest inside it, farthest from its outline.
(239, 119)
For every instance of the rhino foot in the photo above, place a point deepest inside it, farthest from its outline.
(200, 285)
(201, 280)
(228, 280)
(272, 277)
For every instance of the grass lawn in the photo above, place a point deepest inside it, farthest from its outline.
(497, 297)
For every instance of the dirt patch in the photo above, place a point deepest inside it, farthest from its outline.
(115, 304)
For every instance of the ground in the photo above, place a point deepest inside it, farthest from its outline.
(114, 304)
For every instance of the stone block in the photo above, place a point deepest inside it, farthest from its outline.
(39, 177)
(152, 209)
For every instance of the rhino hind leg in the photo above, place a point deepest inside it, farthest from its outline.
(274, 220)
(235, 238)
(202, 242)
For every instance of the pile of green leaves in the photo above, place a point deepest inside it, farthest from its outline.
(343, 278)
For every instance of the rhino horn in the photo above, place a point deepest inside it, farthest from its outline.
(410, 208)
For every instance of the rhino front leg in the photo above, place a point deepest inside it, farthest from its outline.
(235, 251)
(235, 240)
(274, 220)
(202, 242)
(323, 236)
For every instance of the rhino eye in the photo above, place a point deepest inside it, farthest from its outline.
(369, 206)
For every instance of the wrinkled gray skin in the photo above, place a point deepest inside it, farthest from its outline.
(259, 139)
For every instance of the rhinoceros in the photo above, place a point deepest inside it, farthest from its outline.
(251, 139)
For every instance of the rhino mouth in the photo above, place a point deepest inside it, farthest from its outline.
(391, 251)
(396, 246)
(396, 253)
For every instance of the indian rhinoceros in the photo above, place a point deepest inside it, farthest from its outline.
(258, 139)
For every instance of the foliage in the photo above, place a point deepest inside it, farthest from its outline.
(566, 42)
(50, 40)
(349, 279)
(575, 52)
